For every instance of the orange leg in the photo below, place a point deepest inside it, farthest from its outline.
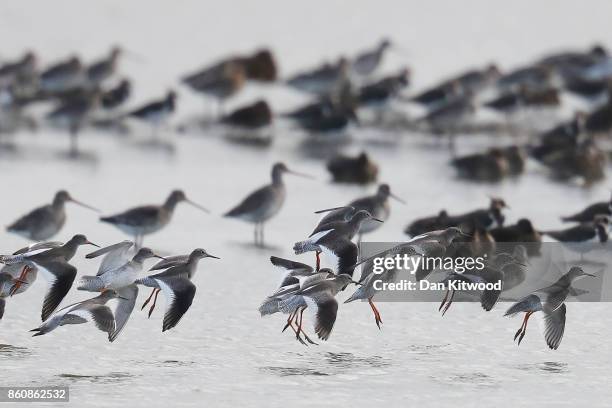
(148, 299)
(377, 317)
(20, 280)
(295, 330)
(300, 324)
(289, 320)
(154, 302)
(450, 301)
(521, 332)
(443, 300)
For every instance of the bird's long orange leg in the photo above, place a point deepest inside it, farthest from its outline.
(148, 299)
(20, 280)
(154, 302)
(443, 300)
(296, 332)
(299, 330)
(377, 317)
(289, 320)
(524, 327)
(450, 302)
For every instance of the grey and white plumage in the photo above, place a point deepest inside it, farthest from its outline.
(321, 80)
(175, 283)
(491, 273)
(144, 220)
(101, 70)
(430, 244)
(7, 281)
(263, 203)
(93, 309)
(366, 62)
(126, 301)
(292, 272)
(335, 242)
(44, 222)
(376, 204)
(62, 76)
(320, 297)
(116, 277)
(550, 301)
(54, 266)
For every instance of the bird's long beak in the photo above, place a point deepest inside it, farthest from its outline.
(84, 205)
(590, 274)
(377, 219)
(159, 257)
(121, 297)
(198, 206)
(295, 173)
(212, 256)
(331, 209)
(91, 243)
(397, 198)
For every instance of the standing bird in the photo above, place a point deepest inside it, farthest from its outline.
(147, 219)
(93, 309)
(74, 113)
(103, 69)
(220, 81)
(176, 284)
(551, 301)
(25, 275)
(156, 113)
(263, 203)
(321, 80)
(44, 222)
(62, 77)
(334, 240)
(53, 263)
(367, 62)
(377, 205)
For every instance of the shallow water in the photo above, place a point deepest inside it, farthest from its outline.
(222, 353)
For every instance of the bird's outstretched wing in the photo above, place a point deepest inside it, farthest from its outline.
(60, 276)
(127, 300)
(554, 326)
(179, 294)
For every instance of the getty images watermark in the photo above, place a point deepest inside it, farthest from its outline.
(411, 264)
(469, 269)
